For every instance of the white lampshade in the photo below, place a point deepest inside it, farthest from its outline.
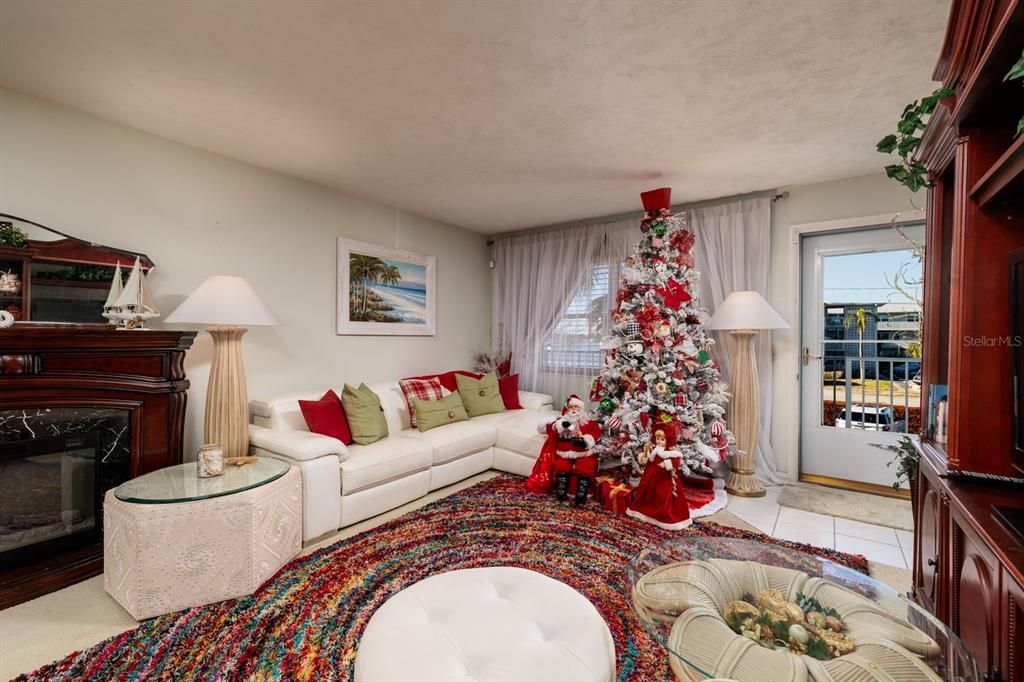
(746, 310)
(224, 299)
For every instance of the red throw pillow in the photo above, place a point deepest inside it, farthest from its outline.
(327, 417)
(509, 388)
(447, 379)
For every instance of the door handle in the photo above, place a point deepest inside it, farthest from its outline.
(807, 356)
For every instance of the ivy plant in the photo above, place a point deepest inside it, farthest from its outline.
(1016, 72)
(12, 236)
(907, 137)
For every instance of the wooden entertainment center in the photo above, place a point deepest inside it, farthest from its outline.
(968, 566)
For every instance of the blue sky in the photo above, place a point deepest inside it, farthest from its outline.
(413, 276)
(860, 277)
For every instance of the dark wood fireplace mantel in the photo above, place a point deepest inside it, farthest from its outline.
(94, 366)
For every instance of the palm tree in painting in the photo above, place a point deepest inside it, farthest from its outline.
(859, 320)
(391, 275)
(365, 269)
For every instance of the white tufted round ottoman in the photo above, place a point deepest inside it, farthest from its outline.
(497, 623)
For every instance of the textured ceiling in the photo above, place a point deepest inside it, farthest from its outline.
(495, 115)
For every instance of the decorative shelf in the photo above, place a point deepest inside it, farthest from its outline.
(1005, 172)
(1003, 50)
(77, 284)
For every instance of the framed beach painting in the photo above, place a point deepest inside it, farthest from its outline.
(384, 291)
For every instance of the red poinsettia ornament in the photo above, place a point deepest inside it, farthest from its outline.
(682, 240)
(674, 294)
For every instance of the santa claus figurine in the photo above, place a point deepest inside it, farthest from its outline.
(567, 452)
(659, 498)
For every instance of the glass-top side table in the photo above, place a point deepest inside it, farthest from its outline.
(181, 483)
(684, 589)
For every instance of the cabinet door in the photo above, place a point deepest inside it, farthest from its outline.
(929, 537)
(1013, 626)
(976, 600)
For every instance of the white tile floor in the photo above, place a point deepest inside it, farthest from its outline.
(877, 543)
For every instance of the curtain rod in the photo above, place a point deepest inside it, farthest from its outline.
(774, 193)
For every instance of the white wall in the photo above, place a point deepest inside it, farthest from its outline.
(197, 214)
(850, 198)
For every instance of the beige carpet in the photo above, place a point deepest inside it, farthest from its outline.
(876, 509)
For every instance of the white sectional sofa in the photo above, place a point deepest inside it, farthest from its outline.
(343, 484)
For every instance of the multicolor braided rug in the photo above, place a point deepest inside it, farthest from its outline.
(305, 623)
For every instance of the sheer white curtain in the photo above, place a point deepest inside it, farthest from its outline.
(553, 294)
(731, 252)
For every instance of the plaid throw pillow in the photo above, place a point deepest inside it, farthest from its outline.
(421, 389)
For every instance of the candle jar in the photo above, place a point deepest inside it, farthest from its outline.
(210, 461)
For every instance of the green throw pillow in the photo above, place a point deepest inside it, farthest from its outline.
(433, 413)
(480, 396)
(364, 414)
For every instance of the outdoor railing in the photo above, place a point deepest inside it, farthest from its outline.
(859, 399)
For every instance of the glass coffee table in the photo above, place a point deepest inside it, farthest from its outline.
(173, 540)
(749, 611)
(181, 483)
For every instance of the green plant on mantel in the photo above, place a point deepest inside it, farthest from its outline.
(12, 236)
(907, 137)
(1016, 72)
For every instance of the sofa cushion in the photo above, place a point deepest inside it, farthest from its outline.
(420, 389)
(447, 379)
(517, 430)
(326, 417)
(365, 414)
(480, 396)
(452, 441)
(431, 414)
(385, 460)
(508, 386)
(282, 411)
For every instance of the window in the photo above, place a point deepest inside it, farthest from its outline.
(575, 345)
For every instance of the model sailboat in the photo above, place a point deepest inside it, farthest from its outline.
(134, 305)
(116, 288)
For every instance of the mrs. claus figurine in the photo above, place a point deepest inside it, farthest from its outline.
(659, 498)
(567, 452)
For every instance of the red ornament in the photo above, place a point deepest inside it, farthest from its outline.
(682, 240)
(680, 399)
(674, 294)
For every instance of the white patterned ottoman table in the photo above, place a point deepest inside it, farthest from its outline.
(495, 623)
(172, 540)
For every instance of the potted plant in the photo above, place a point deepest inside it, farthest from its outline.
(905, 461)
(12, 236)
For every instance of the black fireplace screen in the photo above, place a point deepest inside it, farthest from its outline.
(55, 465)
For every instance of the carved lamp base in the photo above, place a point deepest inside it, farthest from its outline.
(227, 401)
(744, 417)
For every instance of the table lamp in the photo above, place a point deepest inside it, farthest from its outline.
(229, 304)
(743, 313)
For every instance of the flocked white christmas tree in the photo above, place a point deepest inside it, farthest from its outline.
(658, 369)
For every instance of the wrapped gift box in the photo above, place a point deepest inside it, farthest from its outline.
(602, 484)
(617, 498)
(613, 493)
